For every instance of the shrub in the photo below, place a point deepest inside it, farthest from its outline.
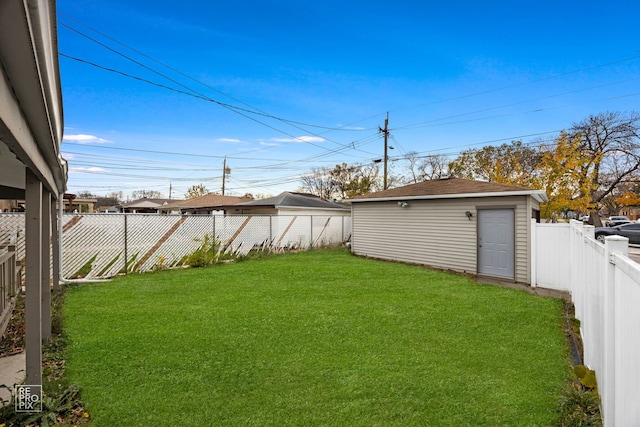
(580, 403)
(208, 253)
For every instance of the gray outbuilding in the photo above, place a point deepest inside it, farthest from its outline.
(473, 227)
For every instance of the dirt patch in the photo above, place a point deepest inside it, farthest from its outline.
(13, 339)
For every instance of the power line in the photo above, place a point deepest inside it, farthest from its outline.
(343, 147)
(554, 76)
(232, 108)
(251, 109)
(197, 94)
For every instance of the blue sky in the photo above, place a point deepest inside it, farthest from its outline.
(158, 93)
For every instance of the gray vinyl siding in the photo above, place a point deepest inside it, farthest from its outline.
(436, 233)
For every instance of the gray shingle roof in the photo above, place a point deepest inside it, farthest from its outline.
(206, 201)
(449, 187)
(297, 200)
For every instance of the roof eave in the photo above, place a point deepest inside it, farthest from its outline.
(327, 208)
(539, 195)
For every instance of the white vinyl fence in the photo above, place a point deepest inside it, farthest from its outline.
(103, 245)
(605, 288)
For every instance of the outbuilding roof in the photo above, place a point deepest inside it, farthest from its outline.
(147, 203)
(293, 200)
(210, 200)
(450, 188)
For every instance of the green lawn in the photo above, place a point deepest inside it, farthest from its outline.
(314, 338)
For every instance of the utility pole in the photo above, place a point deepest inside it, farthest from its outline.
(385, 131)
(225, 171)
(169, 190)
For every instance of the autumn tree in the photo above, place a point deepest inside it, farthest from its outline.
(564, 174)
(587, 167)
(318, 182)
(611, 141)
(341, 182)
(626, 194)
(353, 180)
(149, 194)
(196, 191)
(423, 168)
(513, 163)
(86, 194)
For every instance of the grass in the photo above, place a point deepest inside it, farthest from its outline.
(314, 338)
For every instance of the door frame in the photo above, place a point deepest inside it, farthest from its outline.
(479, 211)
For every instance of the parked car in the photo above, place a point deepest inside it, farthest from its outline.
(617, 220)
(630, 231)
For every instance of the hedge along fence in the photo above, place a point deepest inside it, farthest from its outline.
(104, 245)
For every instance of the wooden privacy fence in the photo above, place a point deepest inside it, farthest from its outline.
(605, 288)
(103, 245)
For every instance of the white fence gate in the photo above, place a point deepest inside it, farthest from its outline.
(605, 288)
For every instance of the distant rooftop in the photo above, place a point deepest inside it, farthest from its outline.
(294, 200)
(208, 200)
(147, 203)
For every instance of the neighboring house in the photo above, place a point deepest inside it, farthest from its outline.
(108, 209)
(289, 203)
(72, 203)
(145, 205)
(31, 166)
(479, 228)
(209, 204)
(631, 212)
(9, 205)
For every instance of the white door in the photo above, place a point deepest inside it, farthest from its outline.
(496, 242)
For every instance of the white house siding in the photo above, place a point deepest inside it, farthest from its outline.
(435, 232)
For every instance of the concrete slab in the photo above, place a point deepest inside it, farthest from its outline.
(12, 371)
(544, 292)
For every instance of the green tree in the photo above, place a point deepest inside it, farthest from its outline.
(196, 191)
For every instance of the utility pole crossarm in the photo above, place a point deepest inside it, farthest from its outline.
(385, 131)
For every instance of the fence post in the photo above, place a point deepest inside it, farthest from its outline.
(612, 245)
(533, 249)
(578, 232)
(573, 263)
(126, 255)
